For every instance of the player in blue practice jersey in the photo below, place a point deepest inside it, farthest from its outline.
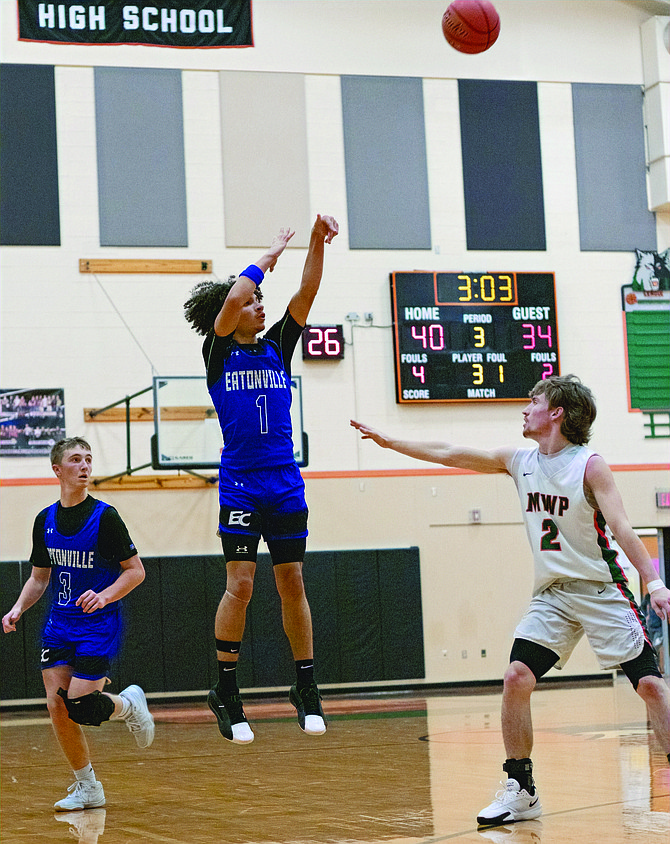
(568, 497)
(82, 550)
(261, 490)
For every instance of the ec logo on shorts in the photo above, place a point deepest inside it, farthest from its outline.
(45, 655)
(239, 517)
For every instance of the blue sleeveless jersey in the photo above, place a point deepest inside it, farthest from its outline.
(253, 402)
(76, 563)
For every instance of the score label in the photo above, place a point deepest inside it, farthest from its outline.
(472, 336)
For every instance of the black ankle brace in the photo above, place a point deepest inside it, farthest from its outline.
(521, 770)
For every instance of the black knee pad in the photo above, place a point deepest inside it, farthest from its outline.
(280, 526)
(239, 546)
(90, 710)
(536, 657)
(287, 550)
(644, 665)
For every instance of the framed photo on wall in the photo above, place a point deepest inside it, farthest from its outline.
(31, 421)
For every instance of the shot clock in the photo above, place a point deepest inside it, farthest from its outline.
(472, 336)
(322, 342)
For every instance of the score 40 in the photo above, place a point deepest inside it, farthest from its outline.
(432, 336)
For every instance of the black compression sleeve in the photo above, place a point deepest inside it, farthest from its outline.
(114, 540)
(40, 556)
(286, 334)
(214, 351)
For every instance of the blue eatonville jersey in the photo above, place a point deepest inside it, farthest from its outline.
(76, 562)
(252, 398)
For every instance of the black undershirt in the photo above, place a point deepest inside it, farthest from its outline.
(284, 333)
(114, 542)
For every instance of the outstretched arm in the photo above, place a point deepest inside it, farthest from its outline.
(323, 231)
(229, 315)
(458, 457)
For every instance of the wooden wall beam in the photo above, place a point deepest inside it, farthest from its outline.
(174, 481)
(149, 265)
(146, 414)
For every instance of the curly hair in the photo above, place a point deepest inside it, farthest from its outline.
(579, 406)
(206, 300)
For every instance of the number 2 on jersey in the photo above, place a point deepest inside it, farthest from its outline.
(550, 541)
(262, 405)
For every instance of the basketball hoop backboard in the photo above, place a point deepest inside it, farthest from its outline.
(187, 433)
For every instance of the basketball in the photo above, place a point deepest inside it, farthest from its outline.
(471, 26)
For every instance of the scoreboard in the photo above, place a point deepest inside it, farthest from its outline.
(472, 336)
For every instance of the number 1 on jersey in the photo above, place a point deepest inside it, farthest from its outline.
(262, 405)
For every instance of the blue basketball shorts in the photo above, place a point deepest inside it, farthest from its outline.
(268, 502)
(88, 643)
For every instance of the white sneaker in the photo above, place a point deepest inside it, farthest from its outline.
(512, 804)
(314, 725)
(529, 832)
(140, 721)
(242, 733)
(307, 702)
(86, 826)
(82, 794)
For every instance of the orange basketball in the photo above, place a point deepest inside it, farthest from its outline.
(471, 26)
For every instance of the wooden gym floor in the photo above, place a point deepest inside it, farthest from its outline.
(395, 768)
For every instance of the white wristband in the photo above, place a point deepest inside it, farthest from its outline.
(653, 585)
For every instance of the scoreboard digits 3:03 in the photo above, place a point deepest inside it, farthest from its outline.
(472, 336)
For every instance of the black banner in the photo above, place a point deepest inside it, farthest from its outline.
(163, 23)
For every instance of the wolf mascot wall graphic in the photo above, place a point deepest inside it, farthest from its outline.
(652, 272)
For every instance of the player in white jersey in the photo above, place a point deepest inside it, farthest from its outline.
(83, 553)
(567, 495)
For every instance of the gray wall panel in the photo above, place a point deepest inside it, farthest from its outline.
(385, 159)
(265, 171)
(140, 138)
(611, 174)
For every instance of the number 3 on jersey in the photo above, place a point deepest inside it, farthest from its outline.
(65, 592)
(550, 541)
(262, 405)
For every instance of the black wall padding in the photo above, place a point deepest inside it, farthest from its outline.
(366, 616)
(186, 629)
(357, 600)
(270, 652)
(12, 657)
(321, 585)
(29, 207)
(400, 623)
(143, 651)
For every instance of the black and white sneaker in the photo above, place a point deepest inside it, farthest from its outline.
(512, 804)
(307, 702)
(233, 724)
